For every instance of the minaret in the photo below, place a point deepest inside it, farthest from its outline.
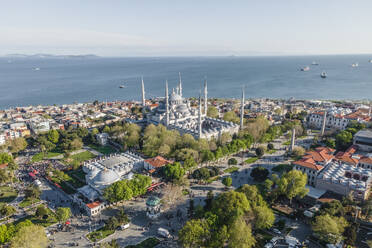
(324, 123)
(166, 104)
(293, 139)
(369, 110)
(180, 83)
(242, 111)
(143, 93)
(205, 97)
(200, 118)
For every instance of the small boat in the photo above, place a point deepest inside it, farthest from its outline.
(355, 65)
(370, 61)
(323, 75)
(36, 69)
(122, 86)
(306, 68)
(314, 63)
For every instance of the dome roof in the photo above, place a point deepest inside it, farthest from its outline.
(175, 97)
(105, 177)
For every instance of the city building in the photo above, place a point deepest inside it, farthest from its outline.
(344, 179)
(363, 139)
(313, 162)
(101, 173)
(153, 164)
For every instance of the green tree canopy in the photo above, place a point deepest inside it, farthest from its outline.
(329, 228)
(259, 173)
(173, 171)
(212, 112)
(30, 237)
(63, 214)
(292, 184)
(240, 235)
(194, 233)
(227, 181)
(53, 136)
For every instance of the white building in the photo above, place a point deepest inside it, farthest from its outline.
(175, 112)
(363, 139)
(101, 173)
(344, 179)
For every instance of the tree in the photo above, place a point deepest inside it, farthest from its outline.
(53, 136)
(106, 129)
(240, 235)
(298, 151)
(292, 184)
(230, 205)
(259, 173)
(63, 214)
(260, 151)
(264, 217)
(329, 228)
(225, 138)
(7, 210)
(41, 211)
(30, 237)
(231, 116)
(173, 171)
(17, 145)
(75, 144)
(227, 181)
(270, 146)
(5, 158)
(189, 163)
(32, 192)
(343, 140)
(212, 112)
(268, 185)
(4, 176)
(232, 161)
(333, 208)
(194, 233)
(257, 128)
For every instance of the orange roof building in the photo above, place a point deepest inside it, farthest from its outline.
(313, 162)
(152, 164)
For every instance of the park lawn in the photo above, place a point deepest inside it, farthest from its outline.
(28, 202)
(251, 160)
(40, 156)
(99, 234)
(82, 156)
(282, 168)
(7, 194)
(231, 169)
(287, 143)
(79, 173)
(147, 243)
(102, 149)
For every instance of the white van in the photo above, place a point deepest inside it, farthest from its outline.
(163, 232)
(124, 226)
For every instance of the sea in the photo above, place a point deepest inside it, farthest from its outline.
(38, 81)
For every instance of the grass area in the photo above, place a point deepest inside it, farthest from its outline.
(231, 169)
(212, 179)
(99, 234)
(28, 202)
(251, 160)
(7, 194)
(147, 243)
(80, 157)
(102, 149)
(40, 156)
(271, 151)
(185, 192)
(79, 173)
(282, 168)
(287, 143)
(52, 219)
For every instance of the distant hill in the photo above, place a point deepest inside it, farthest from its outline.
(52, 56)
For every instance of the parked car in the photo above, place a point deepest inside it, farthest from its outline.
(124, 226)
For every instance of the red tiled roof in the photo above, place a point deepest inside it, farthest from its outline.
(309, 163)
(321, 154)
(366, 160)
(158, 161)
(3, 166)
(93, 204)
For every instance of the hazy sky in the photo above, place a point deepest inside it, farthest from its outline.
(188, 27)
